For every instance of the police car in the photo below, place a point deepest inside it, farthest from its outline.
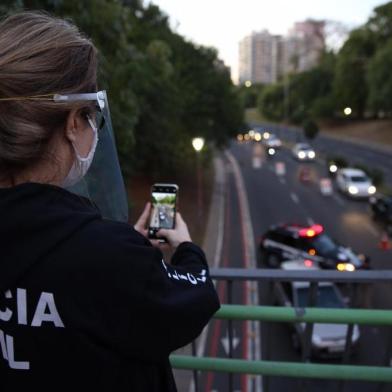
(289, 241)
(328, 340)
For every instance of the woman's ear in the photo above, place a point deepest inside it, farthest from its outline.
(74, 125)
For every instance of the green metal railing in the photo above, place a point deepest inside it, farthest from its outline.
(309, 315)
(305, 315)
(284, 369)
(289, 369)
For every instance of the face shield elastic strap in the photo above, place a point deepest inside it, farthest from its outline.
(99, 97)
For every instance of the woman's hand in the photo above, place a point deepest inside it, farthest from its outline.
(142, 223)
(177, 235)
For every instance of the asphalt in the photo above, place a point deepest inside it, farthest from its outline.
(273, 199)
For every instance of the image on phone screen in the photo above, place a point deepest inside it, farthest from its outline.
(163, 210)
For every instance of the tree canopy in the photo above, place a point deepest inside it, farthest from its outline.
(163, 89)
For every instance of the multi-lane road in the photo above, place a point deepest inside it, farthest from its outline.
(271, 199)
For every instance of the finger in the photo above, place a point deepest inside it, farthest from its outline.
(141, 223)
(162, 233)
(155, 243)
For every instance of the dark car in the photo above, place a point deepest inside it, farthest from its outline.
(382, 211)
(290, 241)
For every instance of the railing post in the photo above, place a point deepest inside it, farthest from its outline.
(307, 347)
(230, 332)
(195, 372)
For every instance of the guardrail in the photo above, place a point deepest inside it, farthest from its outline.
(307, 315)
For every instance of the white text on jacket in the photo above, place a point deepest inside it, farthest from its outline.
(45, 312)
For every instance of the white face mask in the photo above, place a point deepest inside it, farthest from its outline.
(81, 165)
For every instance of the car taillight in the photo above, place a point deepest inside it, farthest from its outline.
(311, 231)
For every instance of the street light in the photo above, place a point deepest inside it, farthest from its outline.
(248, 83)
(198, 144)
(347, 111)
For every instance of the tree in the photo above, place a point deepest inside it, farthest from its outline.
(350, 87)
(380, 24)
(380, 80)
(271, 102)
(311, 129)
(163, 90)
(249, 95)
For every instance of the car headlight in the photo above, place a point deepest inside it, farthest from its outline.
(372, 190)
(345, 267)
(301, 155)
(311, 154)
(353, 190)
(271, 151)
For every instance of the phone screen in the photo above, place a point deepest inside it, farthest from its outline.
(163, 207)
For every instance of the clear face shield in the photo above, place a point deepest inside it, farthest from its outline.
(103, 183)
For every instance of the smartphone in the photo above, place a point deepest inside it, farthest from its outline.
(163, 208)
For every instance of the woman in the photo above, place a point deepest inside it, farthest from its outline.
(85, 303)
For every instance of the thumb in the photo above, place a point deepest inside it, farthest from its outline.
(163, 233)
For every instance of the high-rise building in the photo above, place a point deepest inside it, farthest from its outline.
(264, 57)
(258, 54)
(304, 45)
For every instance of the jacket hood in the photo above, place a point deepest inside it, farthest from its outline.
(35, 219)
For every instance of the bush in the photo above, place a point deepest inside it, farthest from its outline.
(376, 175)
(339, 161)
(311, 129)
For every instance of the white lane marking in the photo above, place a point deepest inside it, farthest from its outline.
(282, 180)
(255, 384)
(226, 342)
(220, 184)
(257, 163)
(294, 197)
(371, 229)
(310, 221)
(338, 200)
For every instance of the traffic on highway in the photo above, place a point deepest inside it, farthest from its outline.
(301, 218)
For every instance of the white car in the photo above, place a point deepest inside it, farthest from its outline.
(355, 183)
(273, 141)
(303, 152)
(328, 340)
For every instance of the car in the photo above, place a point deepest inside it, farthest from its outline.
(293, 241)
(303, 152)
(328, 340)
(355, 183)
(381, 207)
(272, 141)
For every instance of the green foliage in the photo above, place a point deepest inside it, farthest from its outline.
(376, 175)
(249, 95)
(358, 77)
(163, 90)
(338, 160)
(271, 102)
(309, 94)
(380, 80)
(350, 86)
(311, 129)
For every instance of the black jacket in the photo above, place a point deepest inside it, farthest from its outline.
(87, 303)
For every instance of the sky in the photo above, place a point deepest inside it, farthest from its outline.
(223, 23)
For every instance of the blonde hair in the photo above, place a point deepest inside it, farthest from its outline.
(39, 54)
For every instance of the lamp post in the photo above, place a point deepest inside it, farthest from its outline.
(198, 144)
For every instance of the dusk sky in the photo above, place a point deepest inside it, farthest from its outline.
(223, 23)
